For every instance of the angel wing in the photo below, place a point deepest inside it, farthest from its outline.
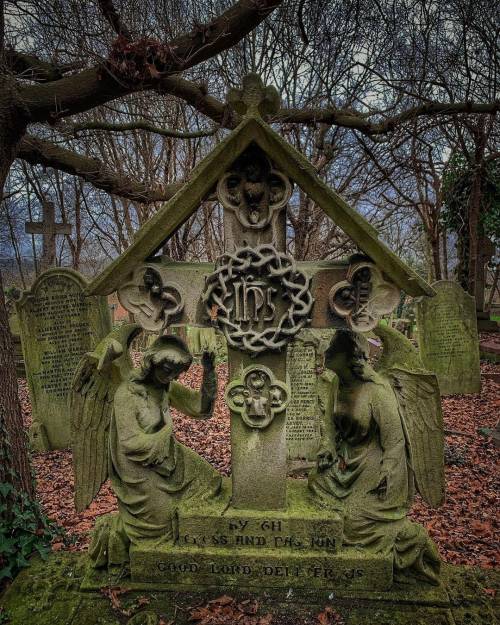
(95, 381)
(419, 400)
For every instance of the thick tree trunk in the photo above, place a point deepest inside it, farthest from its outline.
(14, 459)
(474, 264)
(436, 257)
(478, 244)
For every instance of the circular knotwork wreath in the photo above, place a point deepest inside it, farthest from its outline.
(277, 266)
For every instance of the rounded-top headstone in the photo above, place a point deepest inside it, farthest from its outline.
(448, 339)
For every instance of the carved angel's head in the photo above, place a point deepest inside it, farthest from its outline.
(165, 360)
(347, 356)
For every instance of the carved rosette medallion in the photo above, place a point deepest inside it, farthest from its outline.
(363, 297)
(257, 396)
(241, 298)
(253, 190)
(154, 303)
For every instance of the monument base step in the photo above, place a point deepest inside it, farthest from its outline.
(259, 568)
(216, 544)
(49, 593)
(301, 526)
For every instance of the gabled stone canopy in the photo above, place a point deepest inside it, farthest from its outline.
(254, 100)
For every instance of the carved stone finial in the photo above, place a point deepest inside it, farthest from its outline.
(254, 98)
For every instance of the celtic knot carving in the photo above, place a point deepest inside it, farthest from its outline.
(253, 268)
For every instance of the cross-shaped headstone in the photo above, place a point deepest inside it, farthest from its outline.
(260, 298)
(49, 229)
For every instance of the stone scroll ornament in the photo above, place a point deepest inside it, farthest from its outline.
(253, 190)
(363, 297)
(153, 303)
(257, 396)
(261, 272)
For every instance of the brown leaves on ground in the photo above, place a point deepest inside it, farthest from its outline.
(330, 617)
(227, 611)
(114, 594)
(465, 527)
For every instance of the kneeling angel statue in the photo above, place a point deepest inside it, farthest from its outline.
(387, 442)
(122, 427)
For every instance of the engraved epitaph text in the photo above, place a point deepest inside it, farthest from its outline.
(58, 325)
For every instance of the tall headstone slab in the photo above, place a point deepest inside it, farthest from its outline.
(448, 338)
(58, 324)
(312, 393)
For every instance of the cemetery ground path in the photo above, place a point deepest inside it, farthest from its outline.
(464, 528)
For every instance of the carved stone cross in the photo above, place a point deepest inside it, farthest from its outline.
(49, 229)
(254, 98)
(254, 196)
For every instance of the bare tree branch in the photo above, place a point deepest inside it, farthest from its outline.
(113, 17)
(138, 125)
(39, 152)
(30, 67)
(357, 121)
(196, 95)
(95, 86)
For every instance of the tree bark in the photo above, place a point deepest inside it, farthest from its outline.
(14, 459)
(436, 257)
(477, 243)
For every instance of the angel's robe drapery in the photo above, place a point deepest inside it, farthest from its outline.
(371, 481)
(150, 470)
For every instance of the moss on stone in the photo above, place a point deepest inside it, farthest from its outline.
(48, 593)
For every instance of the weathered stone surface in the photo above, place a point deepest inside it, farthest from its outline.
(150, 470)
(175, 525)
(192, 566)
(58, 325)
(448, 339)
(220, 545)
(301, 527)
(201, 339)
(366, 470)
(17, 345)
(50, 593)
(489, 349)
(312, 396)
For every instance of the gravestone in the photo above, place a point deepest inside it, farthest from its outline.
(49, 229)
(257, 528)
(448, 338)
(312, 394)
(16, 343)
(58, 324)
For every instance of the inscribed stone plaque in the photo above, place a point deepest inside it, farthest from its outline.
(311, 396)
(58, 325)
(448, 339)
(192, 566)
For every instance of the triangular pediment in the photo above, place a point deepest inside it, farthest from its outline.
(153, 234)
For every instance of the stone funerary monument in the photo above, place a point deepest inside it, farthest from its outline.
(58, 325)
(179, 523)
(448, 339)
